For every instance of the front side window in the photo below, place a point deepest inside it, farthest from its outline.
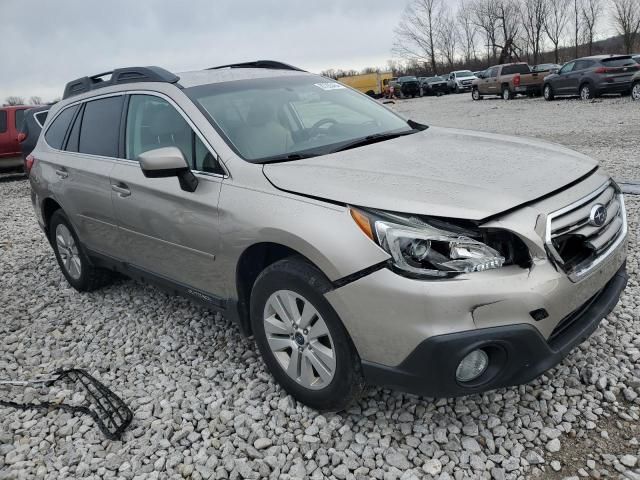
(289, 117)
(152, 123)
(3, 121)
(567, 68)
(100, 130)
(56, 132)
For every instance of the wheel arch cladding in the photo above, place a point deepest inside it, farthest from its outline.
(251, 263)
(49, 207)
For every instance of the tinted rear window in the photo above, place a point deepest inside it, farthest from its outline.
(511, 69)
(3, 121)
(101, 127)
(19, 118)
(56, 132)
(619, 62)
(41, 117)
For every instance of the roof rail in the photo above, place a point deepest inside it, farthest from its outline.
(119, 76)
(272, 64)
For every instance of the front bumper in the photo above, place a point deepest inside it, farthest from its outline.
(517, 353)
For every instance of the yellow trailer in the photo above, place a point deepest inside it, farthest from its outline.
(370, 83)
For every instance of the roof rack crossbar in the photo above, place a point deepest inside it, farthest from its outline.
(119, 76)
(272, 64)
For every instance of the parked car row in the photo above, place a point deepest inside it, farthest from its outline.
(587, 77)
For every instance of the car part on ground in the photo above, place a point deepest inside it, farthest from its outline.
(109, 412)
(319, 195)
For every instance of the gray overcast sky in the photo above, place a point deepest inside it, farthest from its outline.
(54, 41)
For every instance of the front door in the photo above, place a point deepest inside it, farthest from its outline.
(562, 83)
(165, 230)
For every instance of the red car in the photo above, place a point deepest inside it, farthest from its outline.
(10, 122)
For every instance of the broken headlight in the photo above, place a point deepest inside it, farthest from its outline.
(426, 250)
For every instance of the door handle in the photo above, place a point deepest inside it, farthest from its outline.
(121, 189)
(62, 173)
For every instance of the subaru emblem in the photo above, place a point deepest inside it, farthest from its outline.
(598, 215)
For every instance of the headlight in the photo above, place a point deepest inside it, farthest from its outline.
(423, 250)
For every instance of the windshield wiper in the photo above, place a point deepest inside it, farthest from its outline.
(288, 157)
(375, 138)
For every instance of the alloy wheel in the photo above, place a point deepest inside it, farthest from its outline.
(68, 251)
(299, 339)
(585, 92)
(635, 91)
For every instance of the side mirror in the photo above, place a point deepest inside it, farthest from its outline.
(168, 162)
(554, 70)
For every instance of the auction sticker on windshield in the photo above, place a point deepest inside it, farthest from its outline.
(329, 86)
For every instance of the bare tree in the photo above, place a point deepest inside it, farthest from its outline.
(35, 100)
(626, 16)
(577, 24)
(447, 38)
(508, 15)
(556, 23)
(591, 13)
(534, 19)
(468, 31)
(416, 35)
(13, 100)
(485, 18)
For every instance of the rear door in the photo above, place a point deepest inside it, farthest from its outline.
(85, 142)
(165, 230)
(489, 84)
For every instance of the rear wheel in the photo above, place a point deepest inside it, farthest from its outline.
(547, 92)
(72, 259)
(506, 93)
(635, 91)
(586, 92)
(301, 338)
(475, 94)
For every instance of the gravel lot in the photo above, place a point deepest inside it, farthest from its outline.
(206, 408)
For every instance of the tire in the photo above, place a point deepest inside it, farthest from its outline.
(475, 94)
(547, 93)
(586, 92)
(507, 94)
(635, 91)
(72, 259)
(294, 278)
(457, 90)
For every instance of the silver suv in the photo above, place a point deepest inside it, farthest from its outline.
(356, 246)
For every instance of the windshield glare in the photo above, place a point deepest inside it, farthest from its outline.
(464, 74)
(277, 117)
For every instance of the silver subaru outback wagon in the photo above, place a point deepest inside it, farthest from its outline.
(356, 246)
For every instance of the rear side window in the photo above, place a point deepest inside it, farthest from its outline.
(3, 121)
(56, 132)
(618, 62)
(583, 65)
(19, 118)
(512, 69)
(41, 117)
(101, 127)
(74, 135)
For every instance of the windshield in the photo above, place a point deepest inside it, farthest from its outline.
(408, 79)
(292, 117)
(464, 74)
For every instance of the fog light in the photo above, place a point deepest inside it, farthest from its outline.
(472, 366)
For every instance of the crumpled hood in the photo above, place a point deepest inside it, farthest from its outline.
(441, 172)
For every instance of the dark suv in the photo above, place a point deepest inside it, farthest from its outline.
(590, 77)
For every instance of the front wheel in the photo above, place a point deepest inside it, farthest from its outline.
(635, 91)
(301, 338)
(547, 92)
(475, 94)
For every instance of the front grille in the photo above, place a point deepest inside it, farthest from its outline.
(576, 242)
